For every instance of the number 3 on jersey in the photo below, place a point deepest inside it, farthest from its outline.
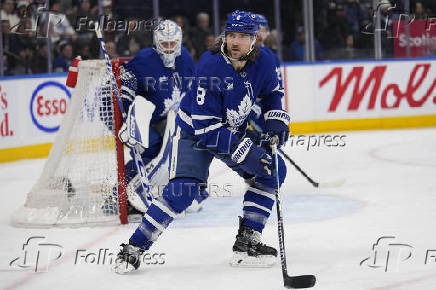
(200, 95)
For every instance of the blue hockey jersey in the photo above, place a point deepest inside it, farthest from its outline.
(145, 75)
(217, 107)
(276, 63)
(256, 114)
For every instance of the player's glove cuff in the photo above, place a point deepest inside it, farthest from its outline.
(278, 115)
(241, 151)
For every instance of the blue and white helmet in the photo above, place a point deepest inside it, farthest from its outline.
(242, 22)
(167, 40)
(261, 20)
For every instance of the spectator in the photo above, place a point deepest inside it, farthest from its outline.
(10, 48)
(356, 16)
(131, 43)
(347, 52)
(111, 49)
(26, 43)
(84, 51)
(198, 34)
(60, 27)
(107, 9)
(84, 15)
(297, 49)
(333, 35)
(26, 35)
(420, 13)
(181, 21)
(39, 61)
(8, 13)
(209, 41)
(63, 61)
(23, 13)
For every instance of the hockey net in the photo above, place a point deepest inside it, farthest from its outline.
(82, 183)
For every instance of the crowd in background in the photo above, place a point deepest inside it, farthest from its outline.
(338, 29)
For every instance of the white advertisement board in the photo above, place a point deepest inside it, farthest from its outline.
(31, 109)
(360, 90)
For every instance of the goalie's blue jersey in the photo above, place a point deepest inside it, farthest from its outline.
(145, 75)
(217, 107)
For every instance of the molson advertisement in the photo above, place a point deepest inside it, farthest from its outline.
(361, 95)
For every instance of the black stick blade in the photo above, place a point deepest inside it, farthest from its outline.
(298, 282)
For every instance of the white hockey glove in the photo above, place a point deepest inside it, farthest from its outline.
(135, 129)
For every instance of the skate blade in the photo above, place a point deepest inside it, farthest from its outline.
(194, 207)
(243, 260)
(123, 268)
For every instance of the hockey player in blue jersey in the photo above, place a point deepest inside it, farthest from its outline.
(160, 74)
(256, 118)
(211, 123)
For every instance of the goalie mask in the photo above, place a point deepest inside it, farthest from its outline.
(167, 40)
(243, 22)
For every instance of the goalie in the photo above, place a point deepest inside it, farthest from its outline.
(152, 84)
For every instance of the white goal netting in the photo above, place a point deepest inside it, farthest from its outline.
(78, 186)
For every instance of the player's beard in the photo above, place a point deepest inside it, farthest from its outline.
(235, 51)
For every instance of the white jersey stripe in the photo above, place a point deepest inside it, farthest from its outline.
(207, 129)
(261, 192)
(151, 220)
(250, 203)
(185, 118)
(164, 208)
(174, 151)
(204, 117)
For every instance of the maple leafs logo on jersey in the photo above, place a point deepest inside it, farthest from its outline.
(237, 118)
(176, 96)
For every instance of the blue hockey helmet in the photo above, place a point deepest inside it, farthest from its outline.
(241, 21)
(261, 20)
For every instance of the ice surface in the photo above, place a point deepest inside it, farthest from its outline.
(390, 190)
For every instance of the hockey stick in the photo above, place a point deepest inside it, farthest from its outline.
(303, 281)
(137, 155)
(336, 183)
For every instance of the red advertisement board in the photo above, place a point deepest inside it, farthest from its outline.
(422, 38)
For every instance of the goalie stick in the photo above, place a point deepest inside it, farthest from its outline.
(137, 155)
(303, 281)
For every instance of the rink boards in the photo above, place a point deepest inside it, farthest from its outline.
(321, 97)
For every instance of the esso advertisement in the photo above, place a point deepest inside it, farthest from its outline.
(48, 105)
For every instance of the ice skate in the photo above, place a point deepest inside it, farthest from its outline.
(249, 251)
(128, 259)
